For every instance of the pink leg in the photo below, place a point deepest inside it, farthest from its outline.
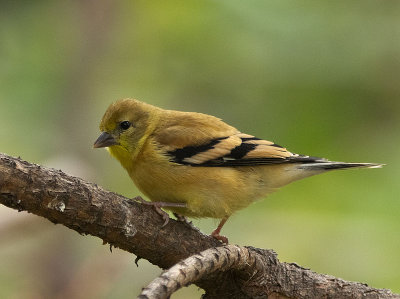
(215, 234)
(160, 204)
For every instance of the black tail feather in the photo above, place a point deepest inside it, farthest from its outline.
(327, 165)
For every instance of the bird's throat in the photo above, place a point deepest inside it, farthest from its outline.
(122, 155)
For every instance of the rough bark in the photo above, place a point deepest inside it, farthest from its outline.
(224, 272)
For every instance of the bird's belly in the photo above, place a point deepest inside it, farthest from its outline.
(207, 192)
(215, 192)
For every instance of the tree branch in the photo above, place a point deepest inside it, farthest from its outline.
(259, 273)
(228, 271)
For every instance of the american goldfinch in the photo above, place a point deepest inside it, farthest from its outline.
(196, 165)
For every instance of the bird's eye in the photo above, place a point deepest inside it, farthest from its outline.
(124, 125)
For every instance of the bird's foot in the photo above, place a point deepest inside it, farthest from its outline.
(183, 219)
(157, 205)
(217, 236)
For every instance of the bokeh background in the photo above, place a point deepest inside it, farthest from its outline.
(319, 77)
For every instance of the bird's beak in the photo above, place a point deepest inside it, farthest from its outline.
(105, 140)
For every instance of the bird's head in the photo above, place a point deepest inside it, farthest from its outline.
(125, 125)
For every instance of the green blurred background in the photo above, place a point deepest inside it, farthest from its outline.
(319, 77)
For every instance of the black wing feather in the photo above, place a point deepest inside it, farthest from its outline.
(235, 157)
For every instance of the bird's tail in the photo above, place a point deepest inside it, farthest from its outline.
(305, 166)
(328, 165)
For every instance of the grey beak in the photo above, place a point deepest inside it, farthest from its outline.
(105, 140)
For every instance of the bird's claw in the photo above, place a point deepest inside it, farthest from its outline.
(163, 214)
(215, 234)
(218, 237)
(157, 205)
(183, 219)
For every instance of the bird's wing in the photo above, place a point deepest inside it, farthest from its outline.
(229, 150)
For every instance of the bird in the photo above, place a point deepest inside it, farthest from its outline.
(196, 165)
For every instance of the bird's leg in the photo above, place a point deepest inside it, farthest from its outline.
(157, 205)
(215, 234)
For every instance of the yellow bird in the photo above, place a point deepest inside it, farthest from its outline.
(196, 165)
